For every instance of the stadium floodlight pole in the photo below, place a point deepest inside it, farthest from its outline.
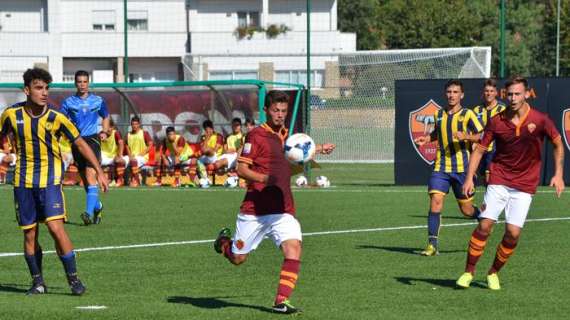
(126, 43)
(558, 40)
(502, 40)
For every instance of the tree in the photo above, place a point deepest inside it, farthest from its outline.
(360, 17)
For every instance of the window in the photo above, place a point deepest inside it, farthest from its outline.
(137, 20)
(233, 75)
(152, 76)
(300, 76)
(103, 20)
(248, 19)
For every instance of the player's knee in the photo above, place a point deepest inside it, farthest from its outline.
(467, 209)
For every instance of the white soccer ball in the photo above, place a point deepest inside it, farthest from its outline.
(231, 182)
(323, 181)
(204, 183)
(301, 181)
(300, 148)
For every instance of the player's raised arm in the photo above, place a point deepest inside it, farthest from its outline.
(557, 180)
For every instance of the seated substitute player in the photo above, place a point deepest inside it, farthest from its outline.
(38, 192)
(249, 125)
(7, 158)
(519, 134)
(139, 144)
(455, 129)
(491, 108)
(113, 155)
(234, 142)
(211, 143)
(268, 209)
(180, 155)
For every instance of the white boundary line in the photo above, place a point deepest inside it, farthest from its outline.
(320, 233)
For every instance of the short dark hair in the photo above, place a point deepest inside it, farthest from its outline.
(135, 119)
(36, 74)
(236, 121)
(490, 83)
(170, 129)
(275, 96)
(454, 82)
(249, 121)
(517, 80)
(81, 73)
(208, 124)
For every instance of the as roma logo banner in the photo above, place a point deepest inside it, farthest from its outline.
(566, 126)
(421, 123)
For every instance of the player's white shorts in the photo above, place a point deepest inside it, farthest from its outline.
(251, 230)
(141, 161)
(106, 161)
(515, 203)
(184, 163)
(232, 160)
(3, 155)
(208, 160)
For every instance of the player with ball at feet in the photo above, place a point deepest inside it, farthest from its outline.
(268, 209)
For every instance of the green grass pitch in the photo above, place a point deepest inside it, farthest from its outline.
(374, 274)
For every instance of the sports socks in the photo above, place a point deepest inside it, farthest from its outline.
(287, 279)
(120, 173)
(92, 200)
(504, 251)
(476, 247)
(68, 261)
(434, 222)
(34, 267)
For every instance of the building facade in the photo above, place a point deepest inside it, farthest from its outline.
(172, 39)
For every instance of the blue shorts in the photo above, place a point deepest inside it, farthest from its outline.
(35, 205)
(485, 163)
(439, 182)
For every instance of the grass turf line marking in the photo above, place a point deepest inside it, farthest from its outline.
(91, 307)
(306, 234)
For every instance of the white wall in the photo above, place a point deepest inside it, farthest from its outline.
(22, 15)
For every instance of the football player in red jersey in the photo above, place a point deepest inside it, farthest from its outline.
(268, 209)
(519, 134)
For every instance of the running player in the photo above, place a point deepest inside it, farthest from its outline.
(268, 210)
(455, 129)
(519, 134)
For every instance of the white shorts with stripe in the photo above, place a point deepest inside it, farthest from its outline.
(515, 203)
(106, 161)
(251, 230)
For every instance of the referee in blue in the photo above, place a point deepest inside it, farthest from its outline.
(84, 110)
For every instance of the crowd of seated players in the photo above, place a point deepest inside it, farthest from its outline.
(138, 160)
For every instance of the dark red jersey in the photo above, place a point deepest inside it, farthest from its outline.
(518, 157)
(263, 151)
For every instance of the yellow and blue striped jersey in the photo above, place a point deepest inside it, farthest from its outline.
(485, 114)
(452, 154)
(36, 139)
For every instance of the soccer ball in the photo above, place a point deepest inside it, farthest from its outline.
(231, 182)
(204, 183)
(323, 182)
(301, 181)
(299, 148)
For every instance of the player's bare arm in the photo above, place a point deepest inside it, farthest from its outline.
(86, 151)
(121, 147)
(557, 180)
(474, 160)
(106, 124)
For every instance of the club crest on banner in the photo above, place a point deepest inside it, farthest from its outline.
(566, 127)
(422, 122)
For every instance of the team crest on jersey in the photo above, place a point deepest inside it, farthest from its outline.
(239, 244)
(49, 126)
(421, 123)
(531, 127)
(566, 127)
